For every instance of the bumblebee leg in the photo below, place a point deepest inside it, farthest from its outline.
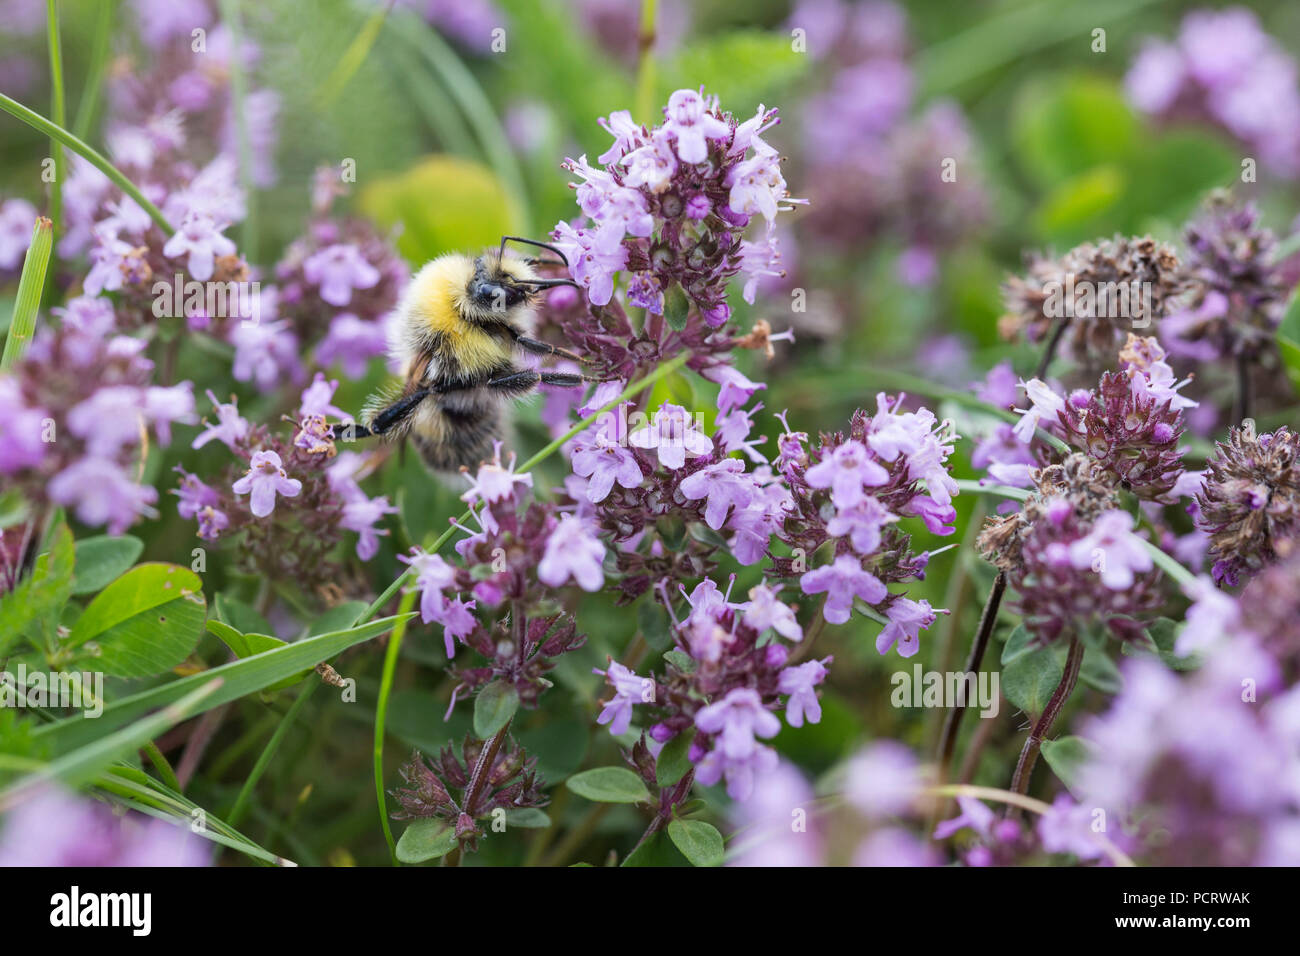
(515, 382)
(391, 417)
(546, 348)
(565, 379)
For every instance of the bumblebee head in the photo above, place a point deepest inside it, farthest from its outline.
(502, 286)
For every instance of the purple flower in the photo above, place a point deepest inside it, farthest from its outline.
(862, 524)
(231, 427)
(843, 580)
(604, 463)
(102, 493)
(692, 125)
(736, 389)
(494, 482)
(906, 620)
(737, 719)
(1112, 549)
(352, 342)
(652, 165)
(845, 471)
(673, 435)
(433, 575)
(17, 220)
(999, 387)
(265, 479)
(21, 428)
(894, 846)
(757, 186)
(339, 270)
(763, 611)
(800, 683)
(974, 814)
(1044, 404)
(594, 258)
(56, 828)
(200, 241)
(1068, 828)
(266, 353)
(629, 689)
(883, 779)
(360, 515)
(572, 550)
(725, 485)
(317, 399)
(1212, 617)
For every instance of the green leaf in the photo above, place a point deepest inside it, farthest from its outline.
(1064, 126)
(103, 558)
(239, 679)
(1030, 673)
(246, 645)
(676, 307)
(1066, 756)
(1099, 671)
(674, 760)
(425, 840)
(145, 622)
(609, 785)
(85, 762)
(681, 660)
(336, 618)
(242, 617)
(656, 851)
(1078, 205)
(528, 817)
(1163, 635)
(42, 593)
(654, 622)
(700, 842)
(493, 707)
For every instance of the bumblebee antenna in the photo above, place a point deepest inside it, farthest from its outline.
(537, 284)
(532, 242)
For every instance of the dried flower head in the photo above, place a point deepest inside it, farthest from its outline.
(1099, 290)
(1250, 502)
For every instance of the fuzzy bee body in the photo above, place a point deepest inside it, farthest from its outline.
(460, 326)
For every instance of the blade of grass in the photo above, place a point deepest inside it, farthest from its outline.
(238, 91)
(84, 763)
(83, 149)
(474, 104)
(242, 677)
(30, 285)
(381, 719)
(58, 107)
(127, 783)
(89, 103)
(264, 759)
(353, 56)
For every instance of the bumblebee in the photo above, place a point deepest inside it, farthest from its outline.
(459, 327)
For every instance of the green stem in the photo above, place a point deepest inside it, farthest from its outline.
(238, 92)
(60, 115)
(30, 285)
(381, 717)
(645, 68)
(89, 103)
(264, 759)
(88, 153)
(161, 764)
